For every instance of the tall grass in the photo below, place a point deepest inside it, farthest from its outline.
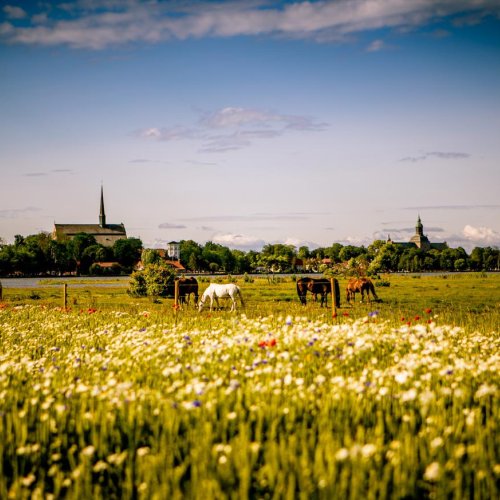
(131, 399)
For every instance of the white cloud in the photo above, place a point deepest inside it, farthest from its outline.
(96, 25)
(14, 12)
(483, 235)
(232, 128)
(376, 46)
(239, 241)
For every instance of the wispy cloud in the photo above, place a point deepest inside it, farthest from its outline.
(14, 213)
(14, 12)
(453, 207)
(35, 174)
(168, 225)
(252, 217)
(233, 128)
(377, 46)
(97, 25)
(442, 155)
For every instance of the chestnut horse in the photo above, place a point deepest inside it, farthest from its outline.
(360, 285)
(321, 286)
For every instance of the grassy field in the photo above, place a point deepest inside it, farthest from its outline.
(123, 397)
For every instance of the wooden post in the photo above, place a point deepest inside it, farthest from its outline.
(334, 298)
(176, 296)
(65, 295)
(1, 292)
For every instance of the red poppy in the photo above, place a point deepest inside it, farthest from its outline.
(428, 310)
(345, 314)
(417, 318)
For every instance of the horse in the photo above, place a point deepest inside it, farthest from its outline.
(360, 285)
(188, 286)
(216, 291)
(321, 286)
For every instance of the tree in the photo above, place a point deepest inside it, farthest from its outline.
(386, 259)
(190, 254)
(127, 252)
(77, 246)
(349, 252)
(150, 256)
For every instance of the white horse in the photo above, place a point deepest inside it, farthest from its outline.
(217, 291)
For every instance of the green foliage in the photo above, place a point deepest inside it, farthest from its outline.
(127, 251)
(155, 280)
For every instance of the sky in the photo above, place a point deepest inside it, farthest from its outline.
(253, 122)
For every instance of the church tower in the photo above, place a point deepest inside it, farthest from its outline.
(102, 215)
(419, 228)
(419, 239)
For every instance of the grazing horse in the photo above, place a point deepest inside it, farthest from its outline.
(216, 291)
(188, 286)
(321, 286)
(360, 285)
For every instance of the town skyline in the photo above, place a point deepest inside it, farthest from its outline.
(249, 123)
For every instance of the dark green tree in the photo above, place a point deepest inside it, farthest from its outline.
(127, 252)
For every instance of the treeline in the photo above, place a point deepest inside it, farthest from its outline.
(39, 254)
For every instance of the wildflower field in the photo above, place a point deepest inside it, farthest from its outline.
(124, 398)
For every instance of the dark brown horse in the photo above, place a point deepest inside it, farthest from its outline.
(187, 286)
(321, 286)
(360, 285)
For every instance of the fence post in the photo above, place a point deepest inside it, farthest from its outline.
(1, 292)
(65, 296)
(176, 296)
(334, 297)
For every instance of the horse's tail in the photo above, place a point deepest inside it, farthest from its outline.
(371, 287)
(336, 291)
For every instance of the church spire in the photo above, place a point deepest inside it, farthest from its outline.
(419, 228)
(102, 215)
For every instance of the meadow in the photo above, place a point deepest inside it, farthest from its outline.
(121, 397)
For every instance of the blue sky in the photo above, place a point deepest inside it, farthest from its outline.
(253, 122)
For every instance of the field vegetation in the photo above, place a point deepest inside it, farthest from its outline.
(125, 397)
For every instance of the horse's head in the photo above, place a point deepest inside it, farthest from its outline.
(201, 303)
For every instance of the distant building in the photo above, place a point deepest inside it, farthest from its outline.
(174, 250)
(105, 234)
(419, 240)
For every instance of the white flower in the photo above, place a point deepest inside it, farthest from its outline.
(368, 450)
(88, 451)
(342, 454)
(432, 472)
(437, 442)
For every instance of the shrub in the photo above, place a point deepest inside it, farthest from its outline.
(156, 280)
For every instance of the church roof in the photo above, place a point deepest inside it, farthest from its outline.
(95, 229)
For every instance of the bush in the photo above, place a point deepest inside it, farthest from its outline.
(156, 280)
(247, 278)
